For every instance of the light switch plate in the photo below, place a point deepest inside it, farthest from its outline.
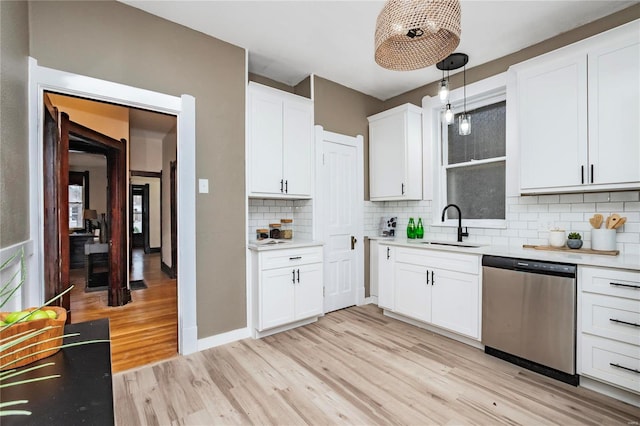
(203, 186)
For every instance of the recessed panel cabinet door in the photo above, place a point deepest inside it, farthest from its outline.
(297, 148)
(265, 134)
(455, 304)
(277, 298)
(308, 291)
(552, 123)
(387, 157)
(385, 277)
(412, 291)
(614, 112)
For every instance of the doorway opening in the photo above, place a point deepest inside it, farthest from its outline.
(145, 330)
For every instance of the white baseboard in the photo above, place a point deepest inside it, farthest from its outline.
(223, 338)
(259, 334)
(371, 300)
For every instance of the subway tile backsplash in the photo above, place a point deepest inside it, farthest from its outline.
(263, 212)
(528, 219)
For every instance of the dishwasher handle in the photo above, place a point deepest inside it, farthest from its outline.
(530, 266)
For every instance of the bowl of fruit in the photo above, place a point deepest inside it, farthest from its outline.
(36, 333)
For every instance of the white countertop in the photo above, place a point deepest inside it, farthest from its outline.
(283, 244)
(622, 261)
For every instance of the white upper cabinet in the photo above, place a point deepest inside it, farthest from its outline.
(577, 112)
(395, 154)
(279, 143)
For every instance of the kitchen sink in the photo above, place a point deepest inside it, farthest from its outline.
(452, 244)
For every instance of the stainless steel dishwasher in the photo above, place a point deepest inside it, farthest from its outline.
(529, 314)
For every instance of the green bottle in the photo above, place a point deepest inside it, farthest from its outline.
(411, 229)
(420, 229)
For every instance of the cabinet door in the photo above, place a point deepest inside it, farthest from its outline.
(455, 300)
(412, 291)
(308, 291)
(387, 157)
(552, 123)
(385, 277)
(298, 148)
(276, 305)
(614, 108)
(265, 140)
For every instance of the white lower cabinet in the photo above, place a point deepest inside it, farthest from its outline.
(287, 286)
(436, 287)
(609, 321)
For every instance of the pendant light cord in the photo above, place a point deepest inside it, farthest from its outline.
(464, 88)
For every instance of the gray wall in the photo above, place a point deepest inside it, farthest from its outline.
(115, 42)
(343, 110)
(14, 135)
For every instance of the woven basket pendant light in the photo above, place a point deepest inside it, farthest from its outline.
(413, 34)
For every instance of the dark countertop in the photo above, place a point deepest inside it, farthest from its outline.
(84, 392)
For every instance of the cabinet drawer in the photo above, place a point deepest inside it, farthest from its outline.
(611, 361)
(611, 317)
(294, 257)
(614, 282)
(459, 262)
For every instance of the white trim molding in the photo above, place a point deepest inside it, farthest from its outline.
(43, 79)
(224, 338)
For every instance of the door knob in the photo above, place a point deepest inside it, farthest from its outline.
(353, 242)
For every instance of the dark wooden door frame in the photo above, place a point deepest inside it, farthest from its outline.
(56, 202)
(142, 190)
(56, 175)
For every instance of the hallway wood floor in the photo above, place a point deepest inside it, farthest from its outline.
(354, 366)
(143, 331)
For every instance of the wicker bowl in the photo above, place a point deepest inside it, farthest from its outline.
(42, 346)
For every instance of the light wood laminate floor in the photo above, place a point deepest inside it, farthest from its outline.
(143, 331)
(353, 366)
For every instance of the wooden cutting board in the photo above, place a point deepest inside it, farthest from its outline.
(580, 250)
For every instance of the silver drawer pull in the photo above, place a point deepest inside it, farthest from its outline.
(624, 322)
(637, 287)
(633, 370)
(295, 258)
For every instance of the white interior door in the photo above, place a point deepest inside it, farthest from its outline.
(341, 211)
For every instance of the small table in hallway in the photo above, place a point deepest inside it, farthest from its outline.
(95, 253)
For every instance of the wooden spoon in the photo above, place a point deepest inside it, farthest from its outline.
(620, 222)
(596, 220)
(613, 220)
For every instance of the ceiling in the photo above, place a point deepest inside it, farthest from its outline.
(289, 40)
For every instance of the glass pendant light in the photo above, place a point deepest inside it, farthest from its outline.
(448, 115)
(464, 124)
(443, 91)
(464, 120)
(454, 62)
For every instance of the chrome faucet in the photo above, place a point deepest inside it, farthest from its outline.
(460, 233)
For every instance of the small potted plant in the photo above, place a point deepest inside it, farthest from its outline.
(574, 240)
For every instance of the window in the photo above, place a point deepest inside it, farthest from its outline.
(75, 207)
(472, 171)
(78, 198)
